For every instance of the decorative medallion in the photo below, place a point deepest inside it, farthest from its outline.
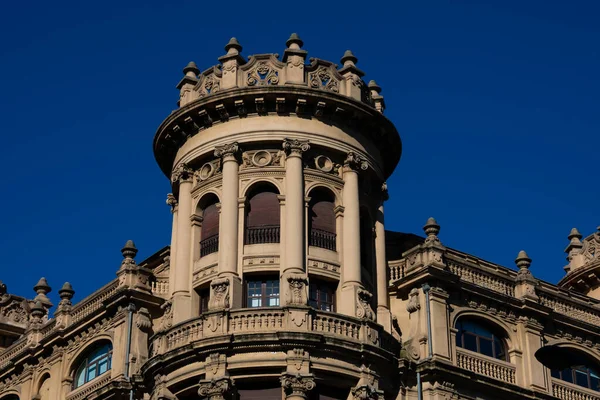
(324, 163)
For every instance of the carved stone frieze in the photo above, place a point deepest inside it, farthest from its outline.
(323, 78)
(210, 84)
(297, 293)
(208, 170)
(261, 158)
(262, 74)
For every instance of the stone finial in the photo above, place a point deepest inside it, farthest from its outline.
(42, 289)
(523, 261)
(432, 229)
(129, 250)
(294, 42)
(191, 69)
(348, 59)
(66, 293)
(374, 87)
(38, 310)
(376, 96)
(233, 46)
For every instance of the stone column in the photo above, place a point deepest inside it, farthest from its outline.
(384, 317)
(228, 227)
(294, 269)
(297, 386)
(351, 268)
(172, 202)
(182, 307)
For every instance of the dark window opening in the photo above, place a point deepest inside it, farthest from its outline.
(262, 217)
(580, 375)
(477, 337)
(321, 296)
(204, 297)
(321, 220)
(209, 233)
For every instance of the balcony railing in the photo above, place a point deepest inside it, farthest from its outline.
(273, 319)
(209, 245)
(487, 366)
(322, 239)
(568, 391)
(262, 234)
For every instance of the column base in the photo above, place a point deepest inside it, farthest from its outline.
(182, 307)
(384, 318)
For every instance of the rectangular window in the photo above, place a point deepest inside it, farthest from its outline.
(321, 296)
(204, 297)
(262, 293)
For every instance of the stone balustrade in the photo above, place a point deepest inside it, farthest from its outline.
(477, 277)
(12, 351)
(568, 308)
(568, 391)
(487, 366)
(160, 287)
(93, 303)
(397, 270)
(273, 319)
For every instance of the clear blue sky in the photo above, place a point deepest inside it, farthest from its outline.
(497, 103)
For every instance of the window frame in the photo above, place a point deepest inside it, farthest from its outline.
(573, 369)
(264, 297)
(83, 367)
(498, 354)
(321, 288)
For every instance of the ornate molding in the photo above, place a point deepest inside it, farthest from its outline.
(363, 304)
(295, 147)
(216, 389)
(298, 283)
(355, 162)
(297, 385)
(220, 294)
(228, 151)
(171, 202)
(182, 173)
(413, 301)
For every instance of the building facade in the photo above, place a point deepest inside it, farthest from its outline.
(281, 282)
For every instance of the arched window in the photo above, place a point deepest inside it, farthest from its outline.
(262, 215)
(94, 363)
(321, 219)
(581, 375)
(44, 388)
(480, 337)
(209, 233)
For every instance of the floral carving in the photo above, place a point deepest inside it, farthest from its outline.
(210, 85)
(297, 289)
(363, 304)
(355, 162)
(263, 74)
(183, 172)
(323, 79)
(220, 294)
(167, 318)
(297, 385)
(227, 150)
(295, 146)
(215, 389)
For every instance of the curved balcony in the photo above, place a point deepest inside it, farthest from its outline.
(273, 325)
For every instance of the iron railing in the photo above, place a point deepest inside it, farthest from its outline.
(262, 234)
(322, 239)
(209, 245)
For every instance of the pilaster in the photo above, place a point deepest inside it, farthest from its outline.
(294, 57)
(231, 62)
(384, 316)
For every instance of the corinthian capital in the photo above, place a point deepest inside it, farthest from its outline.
(295, 146)
(215, 389)
(182, 173)
(297, 385)
(355, 162)
(229, 150)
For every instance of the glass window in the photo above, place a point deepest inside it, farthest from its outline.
(321, 296)
(478, 337)
(262, 293)
(96, 363)
(580, 375)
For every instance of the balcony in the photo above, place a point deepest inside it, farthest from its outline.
(322, 239)
(568, 391)
(262, 234)
(242, 324)
(486, 366)
(209, 245)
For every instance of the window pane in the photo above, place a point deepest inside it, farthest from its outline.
(470, 342)
(581, 378)
(91, 372)
(80, 379)
(499, 349)
(102, 366)
(254, 302)
(594, 382)
(567, 375)
(555, 373)
(273, 301)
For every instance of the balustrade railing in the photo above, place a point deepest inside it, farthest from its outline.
(209, 245)
(589, 315)
(262, 234)
(272, 319)
(322, 239)
(483, 279)
(568, 391)
(487, 366)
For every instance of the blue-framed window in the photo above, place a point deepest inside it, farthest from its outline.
(581, 375)
(95, 363)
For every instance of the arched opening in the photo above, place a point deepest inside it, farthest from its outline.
(367, 244)
(482, 337)
(44, 388)
(209, 231)
(96, 361)
(262, 215)
(584, 375)
(321, 219)
(10, 397)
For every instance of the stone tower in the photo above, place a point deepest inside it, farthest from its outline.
(278, 168)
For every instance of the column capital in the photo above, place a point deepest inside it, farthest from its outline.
(228, 151)
(297, 386)
(183, 173)
(216, 389)
(355, 162)
(295, 147)
(171, 202)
